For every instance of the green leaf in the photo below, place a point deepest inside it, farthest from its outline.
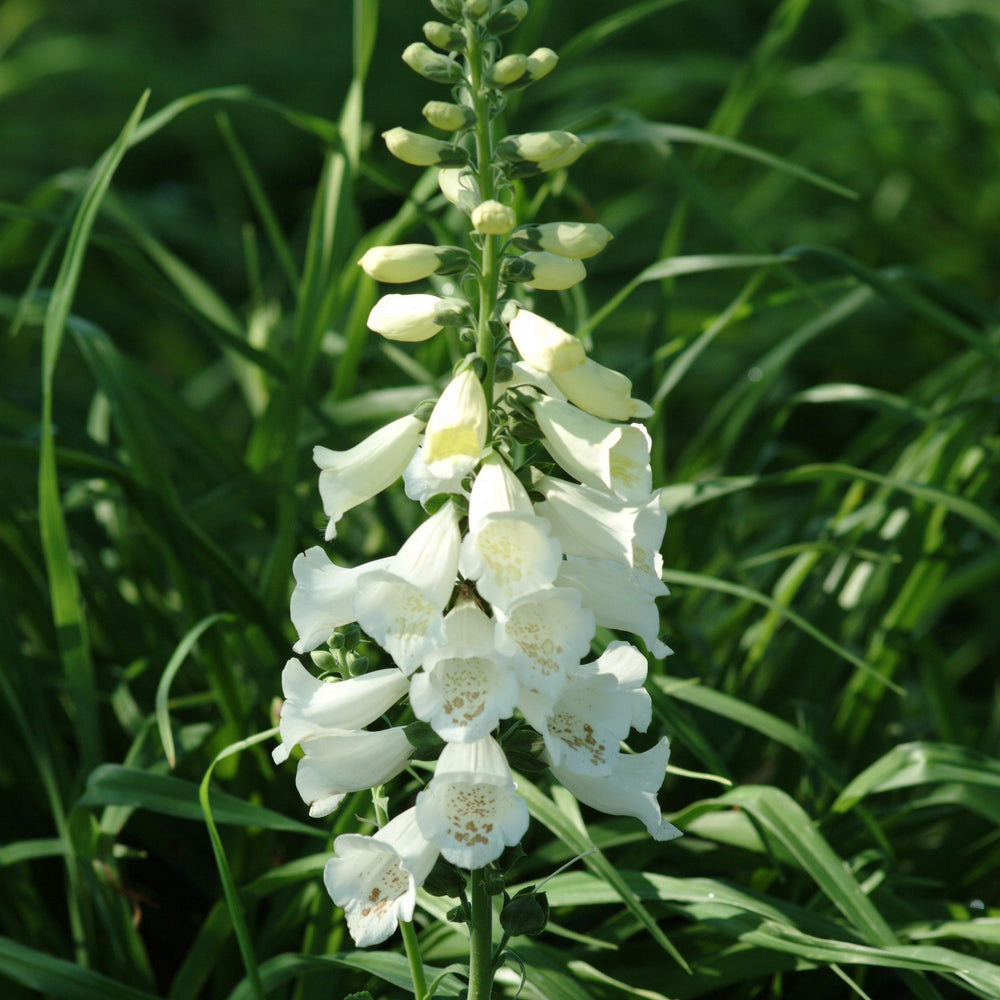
(116, 785)
(920, 764)
(57, 978)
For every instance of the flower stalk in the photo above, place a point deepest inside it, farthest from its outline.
(480, 938)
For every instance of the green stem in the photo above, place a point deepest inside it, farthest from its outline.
(489, 275)
(416, 962)
(405, 927)
(480, 939)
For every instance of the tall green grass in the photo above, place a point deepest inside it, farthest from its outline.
(803, 281)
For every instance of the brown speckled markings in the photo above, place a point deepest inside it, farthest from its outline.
(470, 813)
(578, 735)
(528, 628)
(394, 882)
(464, 685)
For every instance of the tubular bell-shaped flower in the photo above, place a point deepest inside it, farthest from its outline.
(456, 431)
(470, 808)
(339, 763)
(508, 551)
(597, 453)
(543, 345)
(629, 789)
(323, 598)
(316, 708)
(601, 391)
(545, 271)
(609, 590)
(548, 633)
(401, 605)
(583, 726)
(348, 478)
(375, 879)
(466, 686)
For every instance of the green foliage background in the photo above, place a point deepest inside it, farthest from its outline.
(822, 349)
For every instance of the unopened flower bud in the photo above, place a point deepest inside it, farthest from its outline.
(444, 36)
(541, 62)
(477, 7)
(508, 18)
(537, 147)
(424, 60)
(452, 312)
(459, 186)
(406, 318)
(411, 261)
(508, 70)
(567, 239)
(449, 8)
(421, 150)
(601, 391)
(493, 218)
(448, 117)
(545, 271)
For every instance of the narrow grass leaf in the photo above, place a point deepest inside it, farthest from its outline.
(117, 785)
(170, 672)
(923, 763)
(64, 587)
(59, 979)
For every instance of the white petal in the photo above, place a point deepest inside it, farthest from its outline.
(543, 345)
(400, 617)
(456, 430)
(601, 391)
(348, 478)
(508, 556)
(496, 489)
(348, 762)
(417, 852)
(548, 633)
(323, 598)
(470, 808)
(629, 790)
(421, 484)
(596, 452)
(467, 686)
(609, 590)
(429, 557)
(314, 708)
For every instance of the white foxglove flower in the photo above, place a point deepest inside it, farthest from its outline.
(493, 218)
(317, 708)
(595, 525)
(467, 686)
(421, 484)
(609, 590)
(456, 430)
(421, 150)
(323, 598)
(508, 551)
(601, 391)
(470, 808)
(347, 478)
(406, 318)
(597, 453)
(628, 790)
(543, 345)
(375, 879)
(565, 239)
(339, 763)
(400, 606)
(584, 725)
(548, 633)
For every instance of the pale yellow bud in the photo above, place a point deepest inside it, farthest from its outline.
(543, 345)
(448, 117)
(421, 150)
(567, 239)
(508, 70)
(601, 391)
(541, 62)
(492, 218)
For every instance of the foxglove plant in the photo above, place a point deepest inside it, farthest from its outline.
(542, 526)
